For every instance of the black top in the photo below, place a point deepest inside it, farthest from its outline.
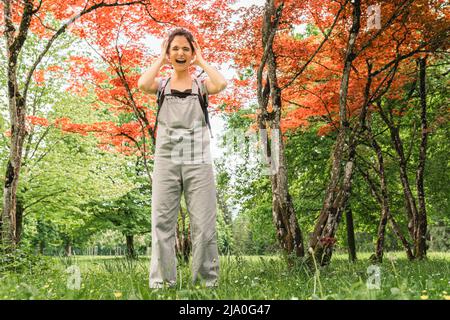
(181, 94)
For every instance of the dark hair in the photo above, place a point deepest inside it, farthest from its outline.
(181, 32)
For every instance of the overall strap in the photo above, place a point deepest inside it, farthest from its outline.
(203, 97)
(159, 100)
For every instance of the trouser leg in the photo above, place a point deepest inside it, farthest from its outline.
(200, 195)
(166, 193)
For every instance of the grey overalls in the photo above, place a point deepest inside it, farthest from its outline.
(183, 164)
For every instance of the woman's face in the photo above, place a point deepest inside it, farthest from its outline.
(179, 51)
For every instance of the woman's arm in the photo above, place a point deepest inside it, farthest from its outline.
(215, 82)
(148, 81)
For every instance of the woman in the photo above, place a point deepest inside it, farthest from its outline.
(181, 125)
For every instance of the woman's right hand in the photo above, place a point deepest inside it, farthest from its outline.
(163, 55)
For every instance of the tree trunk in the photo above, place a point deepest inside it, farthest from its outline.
(421, 226)
(350, 234)
(410, 203)
(183, 245)
(402, 238)
(68, 248)
(394, 224)
(19, 220)
(384, 200)
(18, 133)
(40, 229)
(323, 238)
(287, 229)
(17, 112)
(317, 241)
(41, 246)
(131, 254)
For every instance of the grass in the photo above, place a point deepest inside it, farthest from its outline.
(241, 277)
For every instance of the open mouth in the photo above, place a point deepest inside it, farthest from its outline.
(180, 61)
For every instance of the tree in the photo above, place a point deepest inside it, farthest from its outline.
(67, 172)
(20, 19)
(23, 19)
(336, 71)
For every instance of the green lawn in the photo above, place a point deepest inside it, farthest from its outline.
(241, 277)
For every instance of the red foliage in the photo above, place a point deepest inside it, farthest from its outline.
(315, 93)
(117, 36)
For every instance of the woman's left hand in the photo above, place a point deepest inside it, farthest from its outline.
(198, 59)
